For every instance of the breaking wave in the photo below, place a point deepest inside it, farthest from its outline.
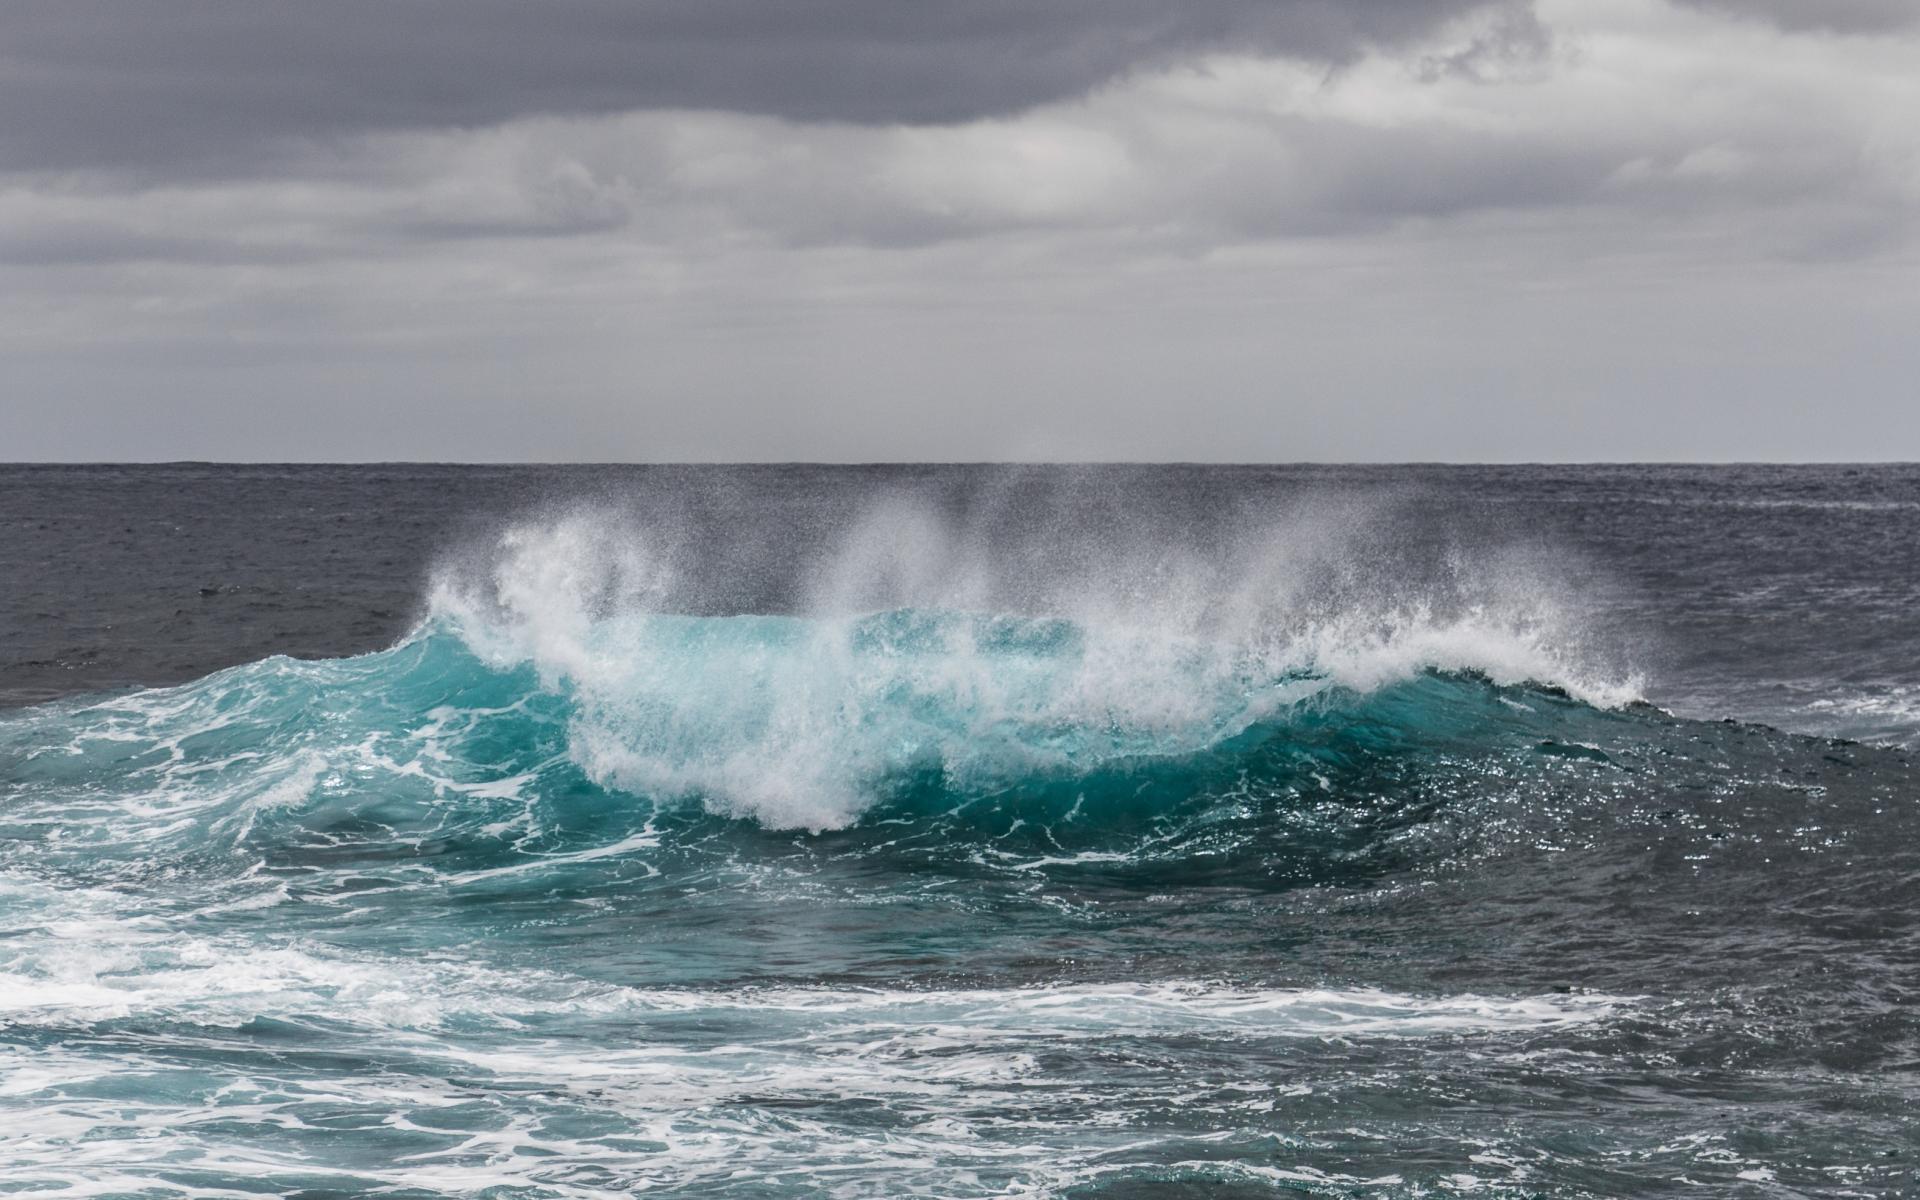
(560, 665)
(1051, 855)
(914, 658)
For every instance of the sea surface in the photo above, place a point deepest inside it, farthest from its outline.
(959, 831)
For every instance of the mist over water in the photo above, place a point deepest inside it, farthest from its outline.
(958, 832)
(989, 651)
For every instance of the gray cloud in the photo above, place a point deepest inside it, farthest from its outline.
(1832, 16)
(1788, 154)
(703, 228)
(211, 87)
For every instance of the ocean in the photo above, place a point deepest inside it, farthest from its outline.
(959, 831)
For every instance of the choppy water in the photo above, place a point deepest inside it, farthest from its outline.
(959, 832)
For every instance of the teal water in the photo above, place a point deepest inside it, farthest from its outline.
(1078, 891)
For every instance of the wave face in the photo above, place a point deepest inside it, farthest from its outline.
(1061, 867)
(964, 722)
(957, 682)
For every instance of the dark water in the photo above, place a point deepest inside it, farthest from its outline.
(952, 832)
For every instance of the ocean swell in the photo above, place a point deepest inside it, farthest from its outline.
(565, 714)
(804, 720)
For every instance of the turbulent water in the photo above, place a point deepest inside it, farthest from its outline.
(959, 832)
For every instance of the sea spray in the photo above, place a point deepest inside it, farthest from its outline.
(1153, 651)
(952, 832)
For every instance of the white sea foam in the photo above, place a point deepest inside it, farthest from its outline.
(1890, 712)
(698, 1085)
(95, 966)
(925, 646)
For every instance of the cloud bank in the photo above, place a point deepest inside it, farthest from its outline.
(1086, 223)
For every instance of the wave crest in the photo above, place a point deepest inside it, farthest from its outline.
(920, 649)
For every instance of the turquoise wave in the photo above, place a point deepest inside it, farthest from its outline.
(985, 739)
(704, 902)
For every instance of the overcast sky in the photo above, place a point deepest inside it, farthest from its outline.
(960, 229)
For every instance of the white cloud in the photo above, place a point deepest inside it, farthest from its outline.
(1226, 211)
(1632, 108)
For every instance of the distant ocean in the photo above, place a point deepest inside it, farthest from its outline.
(959, 831)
